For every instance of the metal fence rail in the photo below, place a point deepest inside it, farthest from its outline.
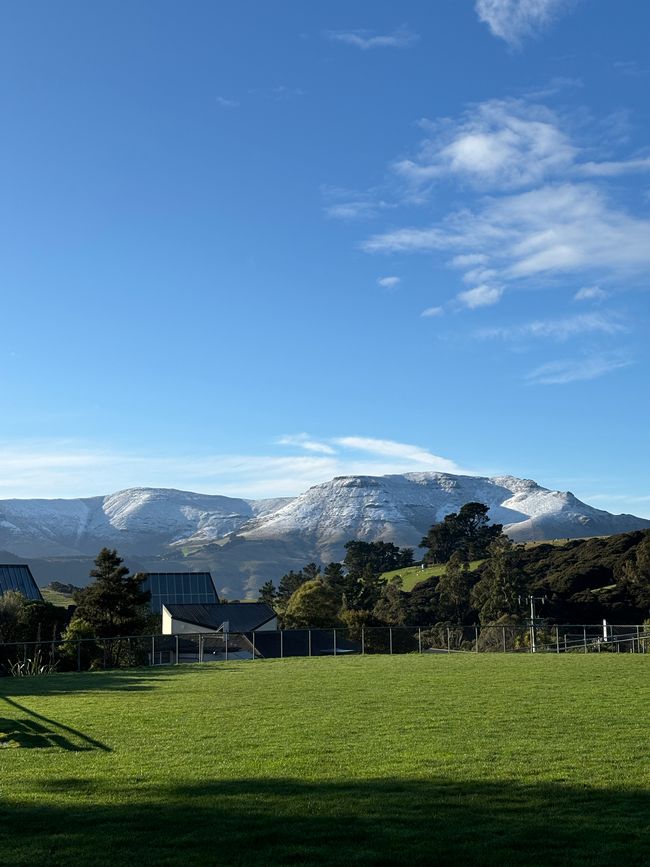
(150, 650)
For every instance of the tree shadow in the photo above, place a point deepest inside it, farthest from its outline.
(369, 822)
(38, 731)
(128, 680)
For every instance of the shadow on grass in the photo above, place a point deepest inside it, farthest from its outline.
(247, 822)
(31, 732)
(130, 680)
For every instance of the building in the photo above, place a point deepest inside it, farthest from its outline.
(235, 617)
(179, 588)
(20, 578)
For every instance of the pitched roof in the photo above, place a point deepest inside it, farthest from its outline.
(241, 616)
(19, 577)
(179, 588)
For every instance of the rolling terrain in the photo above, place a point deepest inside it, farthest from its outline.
(244, 542)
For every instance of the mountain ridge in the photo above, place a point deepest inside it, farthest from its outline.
(247, 541)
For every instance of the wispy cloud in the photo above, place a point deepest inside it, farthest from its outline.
(389, 448)
(499, 143)
(349, 205)
(558, 229)
(366, 40)
(389, 282)
(590, 293)
(559, 329)
(480, 296)
(515, 20)
(577, 370)
(70, 469)
(304, 441)
(227, 103)
(431, 312)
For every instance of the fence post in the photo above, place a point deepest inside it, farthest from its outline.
(557, 638)
(79, 656)
(253, 644)
(638, 639)
(448, 641)
(363, 641)
(476, 638)
(584, 633)
(419, 639)
(309, 640)
(282, 644)
(153, 649)
(176, 643)
(334, 631)
(104, 650)
(390, 640)
(504, 638)
(226, 647)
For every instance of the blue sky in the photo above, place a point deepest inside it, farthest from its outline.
(248, 246)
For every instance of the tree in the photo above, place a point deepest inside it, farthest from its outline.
(313, 605)
(288, 585)
(310, 572)
(12, 607)
(268, 593)
(635, 578)
(365, 563)
(496, 592)
(392, 606)
(467, 531)
(454, 588)
(114, 604)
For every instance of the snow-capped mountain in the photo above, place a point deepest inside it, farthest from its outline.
(247, 541)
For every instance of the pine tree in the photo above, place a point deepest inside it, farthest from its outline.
(114, 604)
(268, 593)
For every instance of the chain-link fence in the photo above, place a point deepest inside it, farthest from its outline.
(89, 654)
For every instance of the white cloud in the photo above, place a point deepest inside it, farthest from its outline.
(227, 103)
(481, 296)
(557, 229)
(66, 469)
(615, 167)
(514, 20)
(432, 311)
(577, 370)
(559, 329)
(590, 293)
(366, 39)
(390, 448)
(503, 143)
(304, 441)
(348, 205)
(389, 282)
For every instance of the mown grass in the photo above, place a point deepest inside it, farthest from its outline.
(430, 759)
(415, 574)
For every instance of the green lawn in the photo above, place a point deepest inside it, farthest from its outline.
(430, 759)
(414, 574)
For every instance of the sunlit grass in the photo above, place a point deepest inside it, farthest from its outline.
(406, 759)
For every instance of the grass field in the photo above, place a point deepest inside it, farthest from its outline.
(430, 759)
(414, 574)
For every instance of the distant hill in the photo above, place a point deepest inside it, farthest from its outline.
(245, 542)
(583, 579)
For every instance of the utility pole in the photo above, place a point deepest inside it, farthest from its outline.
(531, 600)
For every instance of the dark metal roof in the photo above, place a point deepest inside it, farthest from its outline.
(20, 578)
(241, 616)
(179, 588)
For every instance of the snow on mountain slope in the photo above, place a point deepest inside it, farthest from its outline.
(136, 520)
(159, 522)
(401, 508)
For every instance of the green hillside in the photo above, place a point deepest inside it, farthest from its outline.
(430, 759)
(415, 574)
